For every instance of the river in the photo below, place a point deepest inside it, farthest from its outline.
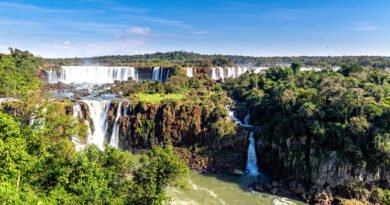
(212, 189)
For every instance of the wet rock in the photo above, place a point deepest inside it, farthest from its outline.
(238, 172)
(274, 191)
(259, 188)
(321, 198)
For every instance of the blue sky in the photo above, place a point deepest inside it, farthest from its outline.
(68, 28)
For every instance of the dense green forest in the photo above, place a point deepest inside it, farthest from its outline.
(19, 73)
(307, 118)
(41, 166)
(346, 111)
(200, 60)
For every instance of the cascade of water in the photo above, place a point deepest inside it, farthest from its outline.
(98, 110)
(157, 73)
(115, 129)
(233, 116)
(190, 72)
(161, 74)
(221, 72)
(214, 73)
(91, 74)
(251, 163)
(76, 110)
(230, 72)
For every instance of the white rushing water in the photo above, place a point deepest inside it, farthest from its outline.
(219, 73)
(115, 129)
(233, 116)
(76, 110)
(98, 110)
(251, 162)
(190, 72)
(161, 74)
(91, 74)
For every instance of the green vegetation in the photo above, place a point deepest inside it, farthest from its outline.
(322, 112)
(19, 73)
(156, 98)
(41, 166)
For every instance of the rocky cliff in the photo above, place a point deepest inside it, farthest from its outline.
(196, 131)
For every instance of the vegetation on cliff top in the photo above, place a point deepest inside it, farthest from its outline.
(19, 73)
(157, 98)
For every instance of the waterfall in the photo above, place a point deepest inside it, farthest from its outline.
(241, 70)
(259, 69)
(161, 74)
(221, 72)
(251, 162)
(76, 110)
(91, 74)
(190, 72)
(231, 72)
(115, 129)
(217, 73)
(98, 110)
(214, 73)
(233, 116)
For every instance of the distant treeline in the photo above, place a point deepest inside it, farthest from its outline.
(199, 60)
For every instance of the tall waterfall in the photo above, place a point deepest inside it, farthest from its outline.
(219, 73)
(98, 110)
(115, 129)
(251, 163)
(190, 72)
(161, 74)
(91, 74)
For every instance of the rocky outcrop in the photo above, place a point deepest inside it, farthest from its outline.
(314, 175)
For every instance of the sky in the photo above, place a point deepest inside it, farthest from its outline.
(82, 28)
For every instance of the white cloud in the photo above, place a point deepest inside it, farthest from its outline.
(62, 45)
(142, 31)
(200, 32)
(365, 26)
(87, 49)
